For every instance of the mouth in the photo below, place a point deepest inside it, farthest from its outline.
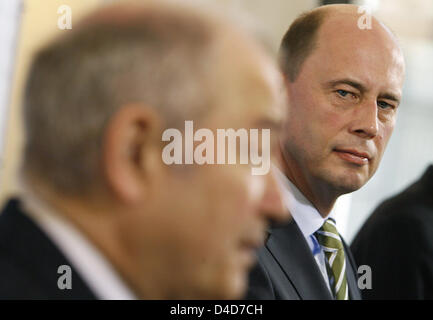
(353, 156)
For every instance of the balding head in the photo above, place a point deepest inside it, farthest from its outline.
(330, 23)
(166, 57)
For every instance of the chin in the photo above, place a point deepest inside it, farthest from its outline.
(233, 286)
(350, 182)
(221, 286)
(345, 180)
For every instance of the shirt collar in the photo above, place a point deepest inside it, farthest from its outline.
(92, 266)
(306, 216)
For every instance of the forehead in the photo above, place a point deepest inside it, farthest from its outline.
(371, 56)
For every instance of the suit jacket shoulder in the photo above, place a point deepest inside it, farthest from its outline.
(29, 261)
(396, 242)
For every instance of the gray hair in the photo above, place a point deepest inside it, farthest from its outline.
(159, 57)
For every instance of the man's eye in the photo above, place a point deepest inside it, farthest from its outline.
(384, 105)
(343, 93)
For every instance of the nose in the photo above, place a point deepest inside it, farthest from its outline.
(272, 205)
(365, 122)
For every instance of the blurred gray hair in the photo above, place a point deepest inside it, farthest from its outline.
(158, 57)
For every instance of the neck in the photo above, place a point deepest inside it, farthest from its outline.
(319, 193)
(96, 222)
(104, 223)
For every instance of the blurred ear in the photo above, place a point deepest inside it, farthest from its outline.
(130, 152)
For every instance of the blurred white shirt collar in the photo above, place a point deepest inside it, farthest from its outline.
(98, 274)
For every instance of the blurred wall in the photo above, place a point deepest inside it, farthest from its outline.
(10, 13)
(274, 16)
(38, 23)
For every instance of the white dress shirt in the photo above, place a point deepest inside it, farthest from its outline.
(98, 274)
(306, 216)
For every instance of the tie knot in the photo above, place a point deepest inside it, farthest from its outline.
(329, 226)
(328, 235)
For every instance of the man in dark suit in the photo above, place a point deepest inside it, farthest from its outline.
(344, 84)
(397, 243)
(103, 214)
(29, 261)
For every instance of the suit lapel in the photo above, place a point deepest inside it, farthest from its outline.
(289, 248)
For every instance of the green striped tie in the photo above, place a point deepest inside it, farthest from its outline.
(332, 245)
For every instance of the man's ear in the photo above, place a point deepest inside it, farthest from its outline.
(129, 150)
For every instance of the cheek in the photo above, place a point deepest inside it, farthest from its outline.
(233, 203)
(380, 141)
(315, 120)
(383, 137)
(233, 191)
(331, 120)
(219, 200)
(211, 209)
(329, 117)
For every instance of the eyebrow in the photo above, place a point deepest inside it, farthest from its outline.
(349, 82)
(389, 96)
(362, 88)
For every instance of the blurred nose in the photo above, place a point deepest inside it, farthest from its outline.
(272, 205)
(365, 122)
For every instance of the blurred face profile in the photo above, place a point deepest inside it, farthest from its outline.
(203, 223)
(343, 105)
(121, 78)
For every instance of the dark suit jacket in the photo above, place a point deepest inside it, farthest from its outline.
(286, 269)
(29, 261)
(397, 243)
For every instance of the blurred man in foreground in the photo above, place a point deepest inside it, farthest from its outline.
(344, 86)
(99, 202)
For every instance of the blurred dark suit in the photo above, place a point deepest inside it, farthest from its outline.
(29, 261)
(397, 243)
